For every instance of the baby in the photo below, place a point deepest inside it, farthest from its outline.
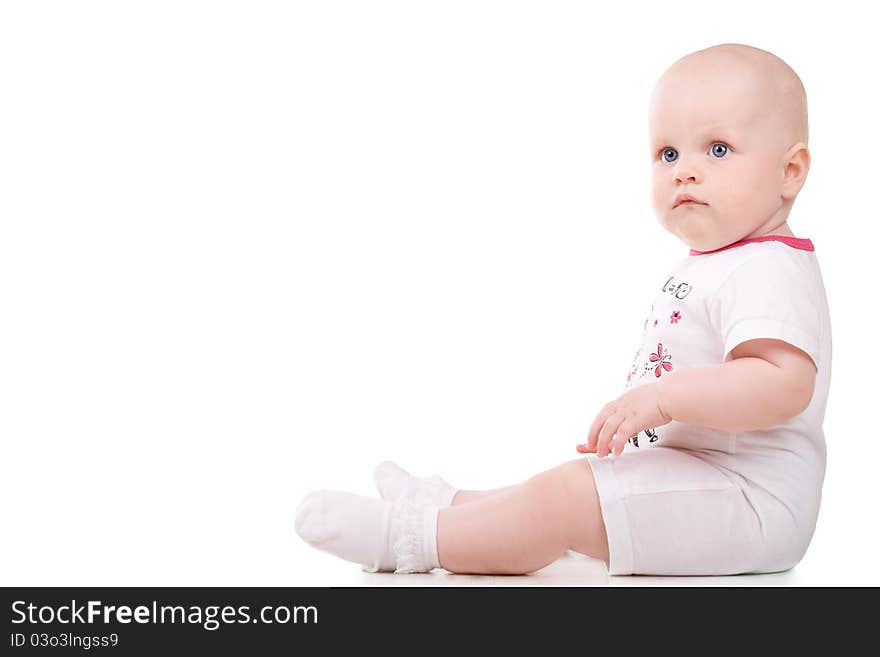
(712, 460)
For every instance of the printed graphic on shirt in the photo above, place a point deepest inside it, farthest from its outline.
(634, 368)
(658, 361)
(677, 289)
(650, 433)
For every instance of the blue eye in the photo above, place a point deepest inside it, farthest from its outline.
(673, 154)
(719, 150)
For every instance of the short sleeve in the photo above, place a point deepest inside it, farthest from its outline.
(768, 296)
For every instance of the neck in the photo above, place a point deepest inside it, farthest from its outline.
(775, 225)
(781, 229)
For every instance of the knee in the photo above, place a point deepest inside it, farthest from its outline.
(586, 525)
(576, 479)
(561, 492)
(571, 480)
(553, 481)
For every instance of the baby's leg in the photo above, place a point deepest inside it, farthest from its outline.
(466, 496)
(515, 530)
(522, 528)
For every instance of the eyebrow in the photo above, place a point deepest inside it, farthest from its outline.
(723, 134)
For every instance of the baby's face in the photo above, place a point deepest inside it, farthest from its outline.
(715, 135)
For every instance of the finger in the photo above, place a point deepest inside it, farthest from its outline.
(598, 422)
(607, 433)
(583, 449)
(624, 433)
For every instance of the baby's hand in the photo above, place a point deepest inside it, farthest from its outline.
(635, 410)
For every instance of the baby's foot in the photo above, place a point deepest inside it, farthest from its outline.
(381, 536)
(392, 481)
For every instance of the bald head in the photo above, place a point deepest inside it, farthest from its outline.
(728, 126)
(772, 90)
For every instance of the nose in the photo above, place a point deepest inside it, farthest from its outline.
(685, 172)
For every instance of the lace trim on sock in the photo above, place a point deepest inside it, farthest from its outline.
(407, 529)
(430, 491)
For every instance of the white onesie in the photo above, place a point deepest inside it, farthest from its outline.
(688, 500)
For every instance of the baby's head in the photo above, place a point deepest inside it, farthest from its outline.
(727, 126)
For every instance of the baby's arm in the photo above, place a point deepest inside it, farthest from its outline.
(765, 383)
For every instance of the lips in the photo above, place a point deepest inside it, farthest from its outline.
(686, 199)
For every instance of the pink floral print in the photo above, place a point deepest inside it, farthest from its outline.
(661, 359)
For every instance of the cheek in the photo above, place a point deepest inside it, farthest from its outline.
(660, 204)
(660, 194)
(749, 186)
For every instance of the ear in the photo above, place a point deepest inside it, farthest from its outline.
(797, 164)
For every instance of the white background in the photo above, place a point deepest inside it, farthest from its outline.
(250, 249)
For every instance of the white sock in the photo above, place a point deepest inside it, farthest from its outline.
(393, 482)
(382, 536)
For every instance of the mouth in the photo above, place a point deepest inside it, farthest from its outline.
(687, 201)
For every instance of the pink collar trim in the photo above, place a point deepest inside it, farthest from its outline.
(797, 242)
